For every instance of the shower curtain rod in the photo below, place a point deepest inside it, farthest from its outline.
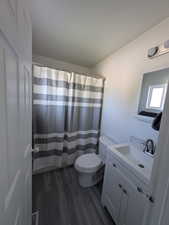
(55, 68)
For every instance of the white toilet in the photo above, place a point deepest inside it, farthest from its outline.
(90, 167)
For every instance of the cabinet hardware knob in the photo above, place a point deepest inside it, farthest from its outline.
(151, 199)
(120, 186)
(124, 191)
(139, 190)
(114, 165)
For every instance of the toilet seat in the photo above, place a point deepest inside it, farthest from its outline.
(88, 163)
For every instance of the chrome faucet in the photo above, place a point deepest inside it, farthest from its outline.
(149, 146)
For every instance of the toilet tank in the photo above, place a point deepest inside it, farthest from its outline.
(105, 144)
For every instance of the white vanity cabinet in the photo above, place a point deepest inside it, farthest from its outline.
(121, 196)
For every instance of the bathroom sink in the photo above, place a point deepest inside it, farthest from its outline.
(132, 154)
(136, 159)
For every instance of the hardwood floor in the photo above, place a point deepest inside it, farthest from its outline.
(61, 201)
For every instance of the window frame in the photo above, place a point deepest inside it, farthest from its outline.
(149, 96)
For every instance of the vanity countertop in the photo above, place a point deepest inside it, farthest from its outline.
(135, 160)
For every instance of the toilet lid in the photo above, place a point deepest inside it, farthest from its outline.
(88, 163)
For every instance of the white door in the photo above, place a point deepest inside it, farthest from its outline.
(15, 113)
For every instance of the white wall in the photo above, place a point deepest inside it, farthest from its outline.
(124, 71)
(60, 64)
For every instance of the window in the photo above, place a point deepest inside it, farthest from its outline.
(156, 97)
(153, 93)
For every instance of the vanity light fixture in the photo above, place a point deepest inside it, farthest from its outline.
(158, 50)
(152, 52)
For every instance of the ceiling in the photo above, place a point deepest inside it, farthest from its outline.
(86, 31)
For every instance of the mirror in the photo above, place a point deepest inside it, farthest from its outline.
(153, 93)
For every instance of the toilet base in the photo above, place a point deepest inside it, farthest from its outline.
(90, 179)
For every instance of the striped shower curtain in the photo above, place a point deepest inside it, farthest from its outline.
(66, 116)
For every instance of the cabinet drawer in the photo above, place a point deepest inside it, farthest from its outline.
(117, 164)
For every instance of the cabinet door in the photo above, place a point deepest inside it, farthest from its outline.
(123, 208)
(115, 182)
(132, 206)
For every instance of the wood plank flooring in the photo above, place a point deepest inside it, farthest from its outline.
(61, 201)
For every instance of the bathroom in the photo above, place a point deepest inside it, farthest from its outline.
(120, 124)
(84, 112)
